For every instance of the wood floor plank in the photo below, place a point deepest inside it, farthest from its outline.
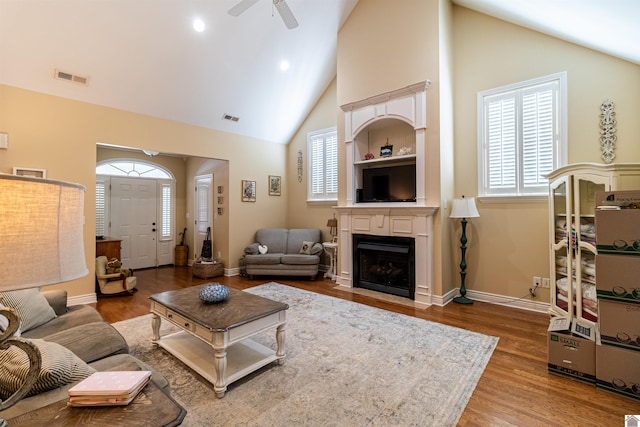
(515, 388)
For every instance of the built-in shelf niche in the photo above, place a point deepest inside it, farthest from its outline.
(397, 118)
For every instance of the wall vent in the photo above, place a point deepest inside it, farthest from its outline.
(230, 117)
(74, 78)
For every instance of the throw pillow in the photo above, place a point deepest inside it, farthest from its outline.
(60, 366)
(32, 307)
(306, 248)
(263, 249)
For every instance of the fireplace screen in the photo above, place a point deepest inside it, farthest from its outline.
(384, 264)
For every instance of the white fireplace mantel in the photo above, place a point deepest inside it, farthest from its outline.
(406, 221)
(403, 219)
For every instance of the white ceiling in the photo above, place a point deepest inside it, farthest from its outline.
(144, 56)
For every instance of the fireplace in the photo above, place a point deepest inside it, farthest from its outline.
(384, 264)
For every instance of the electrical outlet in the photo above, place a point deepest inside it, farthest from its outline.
(536, 281)
(545, 282)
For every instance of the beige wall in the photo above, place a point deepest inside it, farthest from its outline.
(300, 213)
(60, 135)
(508, 244)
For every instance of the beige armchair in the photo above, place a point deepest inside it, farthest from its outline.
(113, 283)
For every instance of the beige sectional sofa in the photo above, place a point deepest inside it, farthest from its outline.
(284, 252)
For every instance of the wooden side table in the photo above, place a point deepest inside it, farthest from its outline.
(332, 250)
(152, 407)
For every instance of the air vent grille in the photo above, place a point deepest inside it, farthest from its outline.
(230, 117)
(74, 78)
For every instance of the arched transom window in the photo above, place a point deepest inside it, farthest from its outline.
(132, 168)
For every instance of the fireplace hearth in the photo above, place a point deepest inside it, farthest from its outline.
(384, 264)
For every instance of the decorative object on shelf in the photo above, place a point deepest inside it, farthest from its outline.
(275, 185)
(607, 131)
(36, 173)
(386, 150)
(299, 165)
(404, 151)
(332, 223)
(463, 208)
(248, 191)
(214, 292)
(368, 156)
(41, 226)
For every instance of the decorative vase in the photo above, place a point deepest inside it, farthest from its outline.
(214, 292)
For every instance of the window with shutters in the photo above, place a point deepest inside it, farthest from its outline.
(101, 207)
(165, 229)
(322, 176)
(521, 137)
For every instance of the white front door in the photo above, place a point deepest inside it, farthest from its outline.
(133, 219)
(204, 205)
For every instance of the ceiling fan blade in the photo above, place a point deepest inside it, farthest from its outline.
(286, 14)
(241, 7)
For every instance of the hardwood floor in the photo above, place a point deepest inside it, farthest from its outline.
(515, 389)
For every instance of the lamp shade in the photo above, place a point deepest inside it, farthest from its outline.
(41, 232)
(332, 222)
(464, 208)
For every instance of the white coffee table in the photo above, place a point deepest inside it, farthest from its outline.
(214, 338)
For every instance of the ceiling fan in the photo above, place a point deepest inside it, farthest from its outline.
(280, 5)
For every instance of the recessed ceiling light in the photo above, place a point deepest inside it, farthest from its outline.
(198, 25)
(284, 65)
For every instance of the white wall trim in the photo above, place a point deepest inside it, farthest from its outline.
(82, 299)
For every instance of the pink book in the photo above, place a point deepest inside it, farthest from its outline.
(111, 383)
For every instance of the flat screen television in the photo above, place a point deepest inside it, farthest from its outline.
(388, 184)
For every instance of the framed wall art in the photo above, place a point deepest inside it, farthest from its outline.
(248, 191)
(275, 185)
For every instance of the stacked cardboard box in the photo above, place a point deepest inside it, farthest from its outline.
(618, 289)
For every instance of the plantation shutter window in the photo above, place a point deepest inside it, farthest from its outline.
(166, 211)
(522, 136)
(323, 165)
(101, 208)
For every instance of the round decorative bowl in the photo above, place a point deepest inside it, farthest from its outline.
(214, 292)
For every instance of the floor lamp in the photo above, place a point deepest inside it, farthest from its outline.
(463, 208)
(41, 242)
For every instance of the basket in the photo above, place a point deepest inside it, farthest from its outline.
(207, 271)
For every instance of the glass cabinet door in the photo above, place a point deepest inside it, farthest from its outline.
(561, 253)
(585, 187)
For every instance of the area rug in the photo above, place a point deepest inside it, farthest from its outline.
(347, 364)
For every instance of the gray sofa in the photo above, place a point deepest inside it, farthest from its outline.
(81, 330)
(284, 252)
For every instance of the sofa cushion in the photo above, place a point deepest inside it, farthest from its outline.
(275, 239)
(266, 259)
(299, 235)
(91, 341)
(75, 315)
(59, 367)
(31, 306)
(299, 259)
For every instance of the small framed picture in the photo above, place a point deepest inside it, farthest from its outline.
(275, 185)
(220, 189)
(248, 191)
(334, 240)
(36, 173)
(386, 151)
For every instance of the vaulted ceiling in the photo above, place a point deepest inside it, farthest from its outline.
(144, 56)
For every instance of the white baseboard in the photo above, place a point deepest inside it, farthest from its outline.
(82, 299)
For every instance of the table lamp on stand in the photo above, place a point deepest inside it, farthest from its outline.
(41, 242)
(463, 208)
